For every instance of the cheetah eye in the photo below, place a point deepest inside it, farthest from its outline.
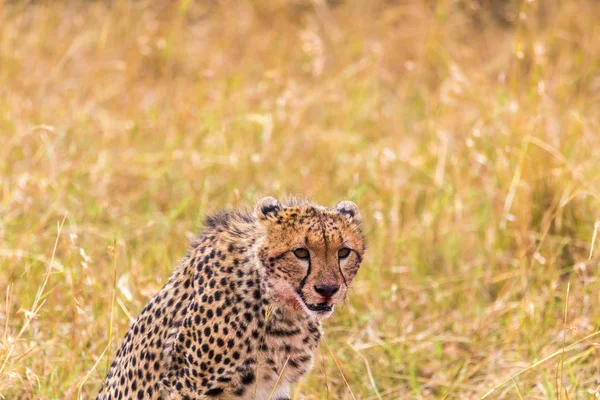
(301, 253)
(343, 252)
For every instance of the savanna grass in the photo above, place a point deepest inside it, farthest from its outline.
(467, 132)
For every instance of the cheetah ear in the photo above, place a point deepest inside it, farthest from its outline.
(265, 207)
(349, 209)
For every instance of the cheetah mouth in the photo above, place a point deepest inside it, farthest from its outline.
(319, 307)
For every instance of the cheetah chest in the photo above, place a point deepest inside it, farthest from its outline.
(286, 355)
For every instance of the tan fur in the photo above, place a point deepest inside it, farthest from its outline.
(242, 305)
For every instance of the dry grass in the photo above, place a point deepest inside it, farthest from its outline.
(470, 139)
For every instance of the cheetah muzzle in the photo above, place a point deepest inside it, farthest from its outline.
(240, 316)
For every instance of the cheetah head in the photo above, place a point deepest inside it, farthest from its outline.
(310, 253)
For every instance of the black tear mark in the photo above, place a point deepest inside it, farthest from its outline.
(341, 273)
(303, 281)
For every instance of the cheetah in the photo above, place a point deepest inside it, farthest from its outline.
(240, 316)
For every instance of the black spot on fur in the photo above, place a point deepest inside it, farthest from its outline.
(248, 378)
(214, 391)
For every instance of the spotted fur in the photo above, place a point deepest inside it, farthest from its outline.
(243, 309)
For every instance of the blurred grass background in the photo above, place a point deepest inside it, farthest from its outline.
(467, 131)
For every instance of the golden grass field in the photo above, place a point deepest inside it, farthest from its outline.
(467, 131)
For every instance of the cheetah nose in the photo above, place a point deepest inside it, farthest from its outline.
(327, 290)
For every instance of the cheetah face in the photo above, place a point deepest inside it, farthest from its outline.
(310, 253)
